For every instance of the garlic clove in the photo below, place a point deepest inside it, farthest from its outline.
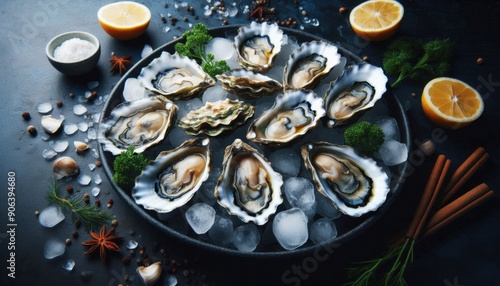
(150, 274)
(50, 124)
(64, 167)
(80, 146)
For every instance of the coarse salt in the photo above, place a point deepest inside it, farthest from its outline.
(74, 50)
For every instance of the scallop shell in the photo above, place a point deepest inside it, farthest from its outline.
(171, 180)
(175, 76)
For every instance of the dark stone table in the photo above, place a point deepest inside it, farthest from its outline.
(465, 253)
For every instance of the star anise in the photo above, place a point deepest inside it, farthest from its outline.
(260, 10)
(119, 63)
(103, 241)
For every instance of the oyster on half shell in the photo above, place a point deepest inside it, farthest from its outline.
(357, 90)
(248, 84)
(173, 178)
(309, 63)
(257, 45)
(355, 184)
(216, 117)
(175, 76)
(248, 186)
(293, 114)
(140, 123)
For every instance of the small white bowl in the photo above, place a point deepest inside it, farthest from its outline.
(73, 68)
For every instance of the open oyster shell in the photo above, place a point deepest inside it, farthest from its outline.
(257, 45)
(175, 76)
(248, 84)
(216, 117)
(357, 90)
(354, 183)
(248, 187)
(309, 63)
(140, 123)
(173, 178)
(292, 115)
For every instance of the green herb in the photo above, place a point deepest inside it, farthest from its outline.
(411, 58)
(90, 215)
(127, 166)
(364, 136)
(194, 47)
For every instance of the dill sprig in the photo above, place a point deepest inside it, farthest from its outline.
(398, 258)
(90, 215)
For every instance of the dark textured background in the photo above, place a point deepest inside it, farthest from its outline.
(465, 253)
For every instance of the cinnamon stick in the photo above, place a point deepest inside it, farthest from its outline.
(463, 173)
(428, 197)
(458, 207)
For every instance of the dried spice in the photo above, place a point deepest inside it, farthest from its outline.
(120, 64)
(102, 241)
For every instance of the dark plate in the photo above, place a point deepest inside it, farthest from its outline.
(348, 227)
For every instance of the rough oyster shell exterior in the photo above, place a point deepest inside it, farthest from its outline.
(173, 178)
(360, 186)
(248, 84)
(175, 76)
(248, 186)
(140, 123)
(216, 117)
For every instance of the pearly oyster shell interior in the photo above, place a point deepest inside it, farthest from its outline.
(248, 186)
(173, 178)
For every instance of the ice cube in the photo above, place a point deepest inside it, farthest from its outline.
(44, 108)
(83, 126)
(221, 48)
(246, 237)
(322, 230)
(51, 216)
(133, 89)
(393, 152)
(233, 11)
(70, 128)
(146, 51)
(92, 84)
(325, 207)
(53, 248)
(79, 109)
(132, 244)
(96, 191)
(69, 265)
(171, 280)
(200, 217)
(390, 127)
(91, 134)
(214, 93)
(60, 146)
(221, 232)
(290, 228)
(49, 154)
(83, 180)
(299, 193)
(286, 161)
(177, 136)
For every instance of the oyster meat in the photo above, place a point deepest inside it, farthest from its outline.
(357, 90)
(257, 45)
(216, 117)
(175, 76)
(292, 115)
(248, 186)
(139, 123)
(353, 183)
(173, 178)
(248, 84)
(309, 63)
